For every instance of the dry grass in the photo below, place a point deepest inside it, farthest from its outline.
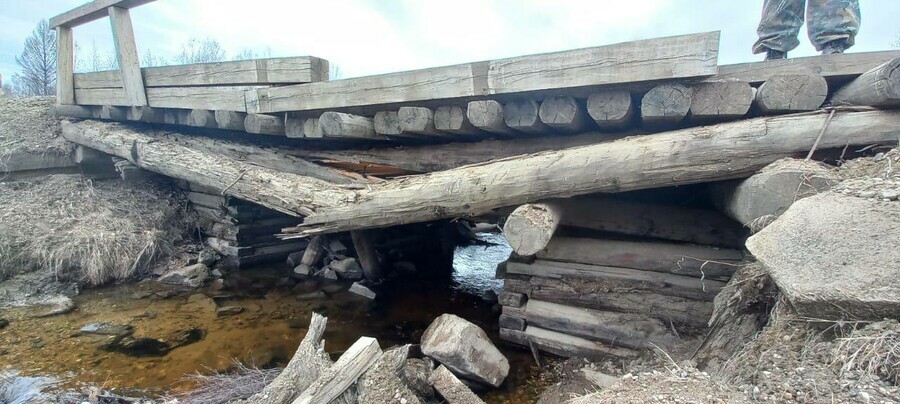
(240, 384)
(29, 124)
(873, 350)
(93, 232)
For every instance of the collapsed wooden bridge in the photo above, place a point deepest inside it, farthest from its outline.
(482, 138)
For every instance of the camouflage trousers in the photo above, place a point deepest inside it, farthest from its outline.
(826, 21)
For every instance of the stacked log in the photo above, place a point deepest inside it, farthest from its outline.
(241, 231)
(606, 277)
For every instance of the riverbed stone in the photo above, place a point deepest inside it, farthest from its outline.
(295, 258)
(363, 290)
(51, 306)
(192, 276)
(347, 268)
(138, 347)
(327, 273)
(302, 271)
(200, 302)
(835, 257)
(465, 349)
(103, 328)
(228, 311)
(3, 323)
(185, 337)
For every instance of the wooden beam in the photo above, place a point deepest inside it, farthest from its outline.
(65, 66)
(113, 113)
(639, 61)
(146, 114)
(212, 98)
(523, 116)
(832, 67)
(611, 109)
(91, 11)
(621, 329)
(565, 345)
(487, 115)
(230, 120)
(787, 93)
(340, 376)
(417, 121)
(127, 55)
(368, 257)
(386, 123)
(879, 87)
(340, 125)
(74, 111)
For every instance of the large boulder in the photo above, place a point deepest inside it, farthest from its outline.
(465, 349)
(835, 257)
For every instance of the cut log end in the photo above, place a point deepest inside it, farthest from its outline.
(530, 227)
(563, 113)
(792, 93)
(611, 109)
(487, 115)
(666, 105)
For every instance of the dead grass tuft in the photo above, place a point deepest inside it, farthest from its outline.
(873, 350)
(93, 232)
(240, 384)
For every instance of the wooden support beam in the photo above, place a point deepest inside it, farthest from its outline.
(212, 98)
(564, 113)
(833, 67)
(93, 10)
(417, 121)
(74, 111)
(665, 106)
(487, 115)
(879, 87)
(263, 124)
(523, 116)
(565, 345)
(293, 127)
(452, 119)
(231, 120)
(112, 113)
(611, 109)
(127, 55)
(65, 66)
(633, 331)
(715, 101)
(340, 376)
(386, 123)
(311, 128)
(530, 227)
(791, 93)
(341, 125)
(202, 118)
(368, 257)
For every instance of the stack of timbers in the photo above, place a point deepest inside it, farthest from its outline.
(241, 231)
(598, 277)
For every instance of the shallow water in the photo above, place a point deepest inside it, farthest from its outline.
(265, 334)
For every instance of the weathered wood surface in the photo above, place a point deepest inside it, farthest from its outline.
(386, 123)
(511, 299)
(791, 93)
(832, 67)
(721, 100)
(340, 376)
(512, 323)
(564, 113)
(146, 114)
(530, 227)
(668, 284)
(263, 124)
(113, 113)
(74, 111)
(314, 252)
(879, 87)
(27, 161)
(127, 56)
(679, 259)
(655, 59)
(617, 329)
(453, 119)
(611, 295)
(565, 345)
(368, 257)
(666, 105)
(203, 118)
(311, 128)
(341, 125)
(91, 11)
(65, 66)
(417, 121)
(451, 388)
(231, 120)
(611, 109)
(212, 98)
(235, 73)
(487, 115)
(523, 116)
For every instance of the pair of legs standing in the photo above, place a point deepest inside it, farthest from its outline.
(832, 25)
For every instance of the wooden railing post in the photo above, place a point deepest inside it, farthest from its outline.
(127, 55)
(65, 66)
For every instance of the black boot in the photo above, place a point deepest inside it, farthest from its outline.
(838, 46)
(772, 54)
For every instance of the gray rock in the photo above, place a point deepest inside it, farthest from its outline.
(327, 273)
(452, 389)
(228, 311)
(465, 349)
(119, 330)
(312, 295)
(137, 346)
(208, 257)
(336, 247)
(216, 273)
(416, 373)
(295, 258)
(347, 268)
(3, 323)
(191, 276)
(362, 290)
(302, 270)
(200, 302)
(52, 306)
(185, 337)
(835, 257)
(489, 296)
(600, 379)
(889, 194)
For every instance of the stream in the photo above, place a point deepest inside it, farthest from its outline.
(265, 333)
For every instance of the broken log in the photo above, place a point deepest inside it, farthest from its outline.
(417, 121)
(563, 113)
(529, 228)
(565, 345)
(452, 389)
(231, 120)
(791, 93)
(488, 116)
(386, 123)
(611, 110)
(341, 125)
(665, 106)
(523, 116)
(879, 87)
(262, 124)
(368, 257)
(344, 373)
(452, 119)
(203, 118)
(715, 101)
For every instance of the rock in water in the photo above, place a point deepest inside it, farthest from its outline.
(347, 268)
(835, 257)
(138, 346)
(185, 337)
(192, 276)
(3, 323)
(465, 349)
(229, 311)
(118, 330)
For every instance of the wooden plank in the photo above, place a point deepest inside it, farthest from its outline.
(340, 376)
(65, 66)
(91, 11)
(639, 61)
(618, 329)
(127, 55)
(212, 98)
(832, 67)
(368, 258)
(565, 345)
(278, 71)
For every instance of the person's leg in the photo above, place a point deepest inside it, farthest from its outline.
(779, 26)
(832, 24)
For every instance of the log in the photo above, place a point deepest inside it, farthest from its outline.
(387, 124)
(113, 113)
(231, 120)
(565, 345)
(311, 128)
(417, 121)
(452, 389)
(668, 284)
(838, 67)
(791, 93)
(529, 228)
(523, 116)
(693, 155)
(563, 113)
(74, 111)
(512, 323)
(309, 362)
(293, 127)
(182, 117)
(127, 56)
(261, 124)
(716, 101)
(487, 115)
(203, 118)
(88, 12)
(146, 114)
(617, 329)
(453, 119)
(368, 257)
(879, 87)
(340, 125)
(340, 376)
(314, 251)
(679, 259)
(511, 299)
(611, 109)
(665, 106)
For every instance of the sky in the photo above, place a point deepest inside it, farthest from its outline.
(365, 37)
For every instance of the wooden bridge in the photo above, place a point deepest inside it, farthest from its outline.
(272, 147)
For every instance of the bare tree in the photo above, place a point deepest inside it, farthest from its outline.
(896, 42)
(201, 51)
(96, 60)
(150, 60)
(38, 62)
